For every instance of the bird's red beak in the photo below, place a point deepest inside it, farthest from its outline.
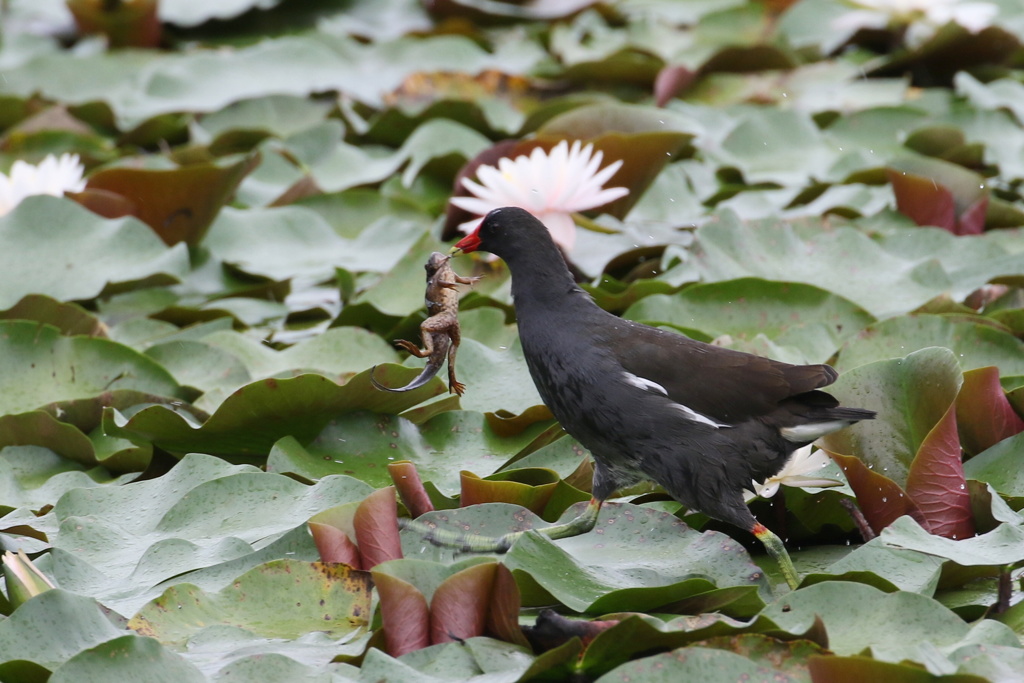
(469, 243)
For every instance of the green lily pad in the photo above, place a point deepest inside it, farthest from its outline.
(887, 277)
(885, 567)
(975, 345)
(149, 661)
(495, 380)
(199, 366)
(250, 421)
(70, 319)
(790, 314)
(1002, 546)
(280, 599)
(893, 627)
(890, 442)
(337, 353)
(57, 248)
(45, 367)
(279, 243)
(173, 528)
(32, 476)
(598, 572)
(362, 444)
(51, 628)
(279, 115)
(694, 663)
(1000, 466)
(775, 145)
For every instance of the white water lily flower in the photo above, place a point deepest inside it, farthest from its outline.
(802, 463)
(550, 185)
(921, 17)
(53, 176)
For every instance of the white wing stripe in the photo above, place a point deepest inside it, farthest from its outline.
(649, 385)
(644, 383)
(697, 417)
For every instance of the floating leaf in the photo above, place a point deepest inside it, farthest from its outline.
(179, 204)
(788, 313)
(148, 661)
(984, 416)
(936, 481)
(693, 663)
(404, 613)
(70, 319)
(597, 572)
(57, 248)
(936, 192)
(250, 421)
(52, 628)
(43, 367)
(974, 343)
(889, 443)
(376, 528)
(281, 599)
(1001, 466)
(123, 25)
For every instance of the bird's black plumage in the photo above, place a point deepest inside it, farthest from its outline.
(702, 421)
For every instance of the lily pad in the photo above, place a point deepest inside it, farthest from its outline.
(901, 626)
(172, 530)
(1001, 466)
(52, 628)
(178, 204)
(790, 314)
(976, 345)
(57, 248)
(844, 261)
(890, 442)
(330, 598)
(598, 572)
(249, 422)
(149, 660)
(45, 367)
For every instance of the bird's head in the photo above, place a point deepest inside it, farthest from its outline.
(501, 228)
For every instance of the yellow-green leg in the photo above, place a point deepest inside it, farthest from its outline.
(777, 549)
(475, 543)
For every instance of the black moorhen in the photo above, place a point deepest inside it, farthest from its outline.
(702, 421)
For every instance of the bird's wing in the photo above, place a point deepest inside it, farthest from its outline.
(716, 382)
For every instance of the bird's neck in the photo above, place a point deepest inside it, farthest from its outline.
(543, 282)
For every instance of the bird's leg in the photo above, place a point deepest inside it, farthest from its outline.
(476, 543)
(777, 549)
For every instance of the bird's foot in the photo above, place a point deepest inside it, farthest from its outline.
(777, 549)
(476, 543)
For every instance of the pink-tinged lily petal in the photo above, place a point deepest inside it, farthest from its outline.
(551, 185)
(562, 229)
